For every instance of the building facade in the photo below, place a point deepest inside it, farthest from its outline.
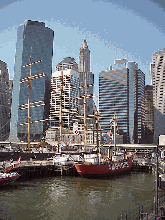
(5, 102)
(85, 75)
(114, 96)
(149, 115)
(84, 58)
(35, 40)
(121, 88)
(139, 114)
(158, 80)
(67, 68)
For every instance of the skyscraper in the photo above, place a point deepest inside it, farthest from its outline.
(158, 80)
(33, 37)
(139, 114)
(149, 115)
(84, 58)
(5, 102)
(69, 68)
(114, 96)
(122, 89)
(136, 102)
(84, 69)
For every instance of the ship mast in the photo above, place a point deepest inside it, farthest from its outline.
(97, 129)
(61, 96)
(29, 79)
(29, 92)
(85, 126)
(84, 97)
(115, 125)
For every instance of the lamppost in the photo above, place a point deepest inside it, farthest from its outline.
(157, 177)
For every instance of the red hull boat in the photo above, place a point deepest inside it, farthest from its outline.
(94, 168)
(106, 169)
(8, 178)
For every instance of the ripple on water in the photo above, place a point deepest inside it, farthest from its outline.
(75, 197)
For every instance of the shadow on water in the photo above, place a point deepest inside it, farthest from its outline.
(16, 186)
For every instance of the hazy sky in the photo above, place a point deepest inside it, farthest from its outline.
(114, 29)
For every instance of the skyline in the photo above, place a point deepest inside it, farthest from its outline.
(113, 30)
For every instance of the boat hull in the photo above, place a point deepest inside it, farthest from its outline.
(7, 179)
(104, 170)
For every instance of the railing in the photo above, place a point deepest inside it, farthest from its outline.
(30, 163)
(147, 211)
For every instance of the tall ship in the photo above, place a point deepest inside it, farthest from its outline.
(96, 166)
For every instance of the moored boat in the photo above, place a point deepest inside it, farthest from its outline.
(8, 178)
(104, 169)
(117, 164)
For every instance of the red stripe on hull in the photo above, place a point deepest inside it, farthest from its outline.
(87, 170)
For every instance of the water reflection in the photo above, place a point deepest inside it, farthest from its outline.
(75, 198)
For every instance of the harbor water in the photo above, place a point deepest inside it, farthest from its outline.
(75, 197)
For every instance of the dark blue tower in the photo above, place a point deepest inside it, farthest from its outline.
(33, 35)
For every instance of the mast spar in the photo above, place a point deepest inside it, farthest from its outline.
(28, 106)
(115, 125)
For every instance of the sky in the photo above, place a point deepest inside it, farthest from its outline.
(114, 29)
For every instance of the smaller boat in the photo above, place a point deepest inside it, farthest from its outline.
(7, 177)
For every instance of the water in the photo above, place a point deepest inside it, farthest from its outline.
(77, 198)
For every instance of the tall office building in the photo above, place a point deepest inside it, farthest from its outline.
(33, 37)
(84, 69)
(139, 115)
(158, 80)
(136, 102)
(114, 96)
(5, 102)
(69, 69)
(84, 58)
(122, 89)
(149, 115)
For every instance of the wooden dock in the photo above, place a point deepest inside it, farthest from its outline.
(141, 167)
(39, 169)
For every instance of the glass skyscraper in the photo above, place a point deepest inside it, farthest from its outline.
(33, 37)
(122, 89)
(114, 96)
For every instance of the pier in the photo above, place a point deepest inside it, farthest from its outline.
(42, 168)
(140, 167)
